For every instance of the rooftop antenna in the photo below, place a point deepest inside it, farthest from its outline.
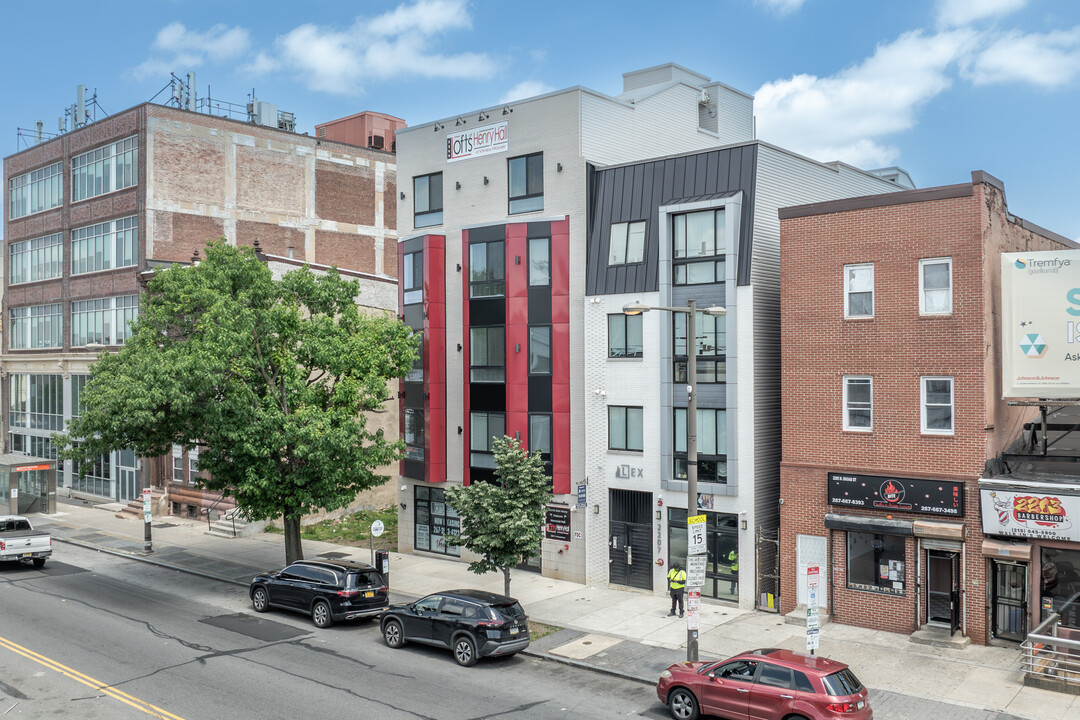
(39, 131)
(191, 91)
(80, 105)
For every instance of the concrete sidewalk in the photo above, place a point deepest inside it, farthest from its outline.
(621, 632)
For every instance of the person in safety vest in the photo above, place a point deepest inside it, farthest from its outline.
(733, 558)
(676, 579)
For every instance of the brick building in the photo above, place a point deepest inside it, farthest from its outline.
(893, 409)
(93, 210)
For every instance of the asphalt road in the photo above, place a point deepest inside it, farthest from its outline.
(93, 636)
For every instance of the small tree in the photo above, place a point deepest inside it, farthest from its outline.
(503, 522)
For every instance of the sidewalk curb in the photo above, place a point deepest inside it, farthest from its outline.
(581, 665)
(150, 560)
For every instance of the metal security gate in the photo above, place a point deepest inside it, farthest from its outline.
(768, 569)
(629, 539)
(942, 589)
(1009, 600)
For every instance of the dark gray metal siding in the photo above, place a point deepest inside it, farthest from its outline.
(636, 192)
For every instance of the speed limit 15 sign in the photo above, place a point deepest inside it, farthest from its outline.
(695, 526)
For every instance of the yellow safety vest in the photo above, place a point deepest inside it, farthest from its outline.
(677, 578)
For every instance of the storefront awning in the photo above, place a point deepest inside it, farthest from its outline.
(862, 523)
(1013, 551)
(938, 529)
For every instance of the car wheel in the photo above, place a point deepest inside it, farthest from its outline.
(320, 614)
(393, 634)
(682, 704)
(39, 562)
(465, 651)
(259, 600)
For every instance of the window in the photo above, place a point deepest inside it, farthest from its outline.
(624, 336)
(35, 191)
(859, 290)
(875, 562)
(193, 463)
(105, 245)
(487, 269)
(37, 259)
(935, 286)
(627, 243)
(412, 282)
(698, 234)
(41, 447)
(36, 401)
(711, 348)
(737, 670)
(626, 428)
(526, 183)
(540, 350)
(712, 444)
(414, 433)
(487, 354)
(842, 682)
(858, 402)
(434, 521)
(427, 200)
(540, 433)
(177, 463)
(539, 262)
(103, 321)
(775, 676)
(36, 326)
(483, 427)
(98, 480)
(78, 388)
(937, 405)
(105, 169)
(699, 273)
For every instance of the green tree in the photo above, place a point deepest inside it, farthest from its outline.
(270, 379)
(503, 522)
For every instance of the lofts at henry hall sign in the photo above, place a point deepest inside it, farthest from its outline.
(477, 142)
(891, 494)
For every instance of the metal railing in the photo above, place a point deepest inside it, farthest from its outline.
(229, 515)
(1047, 656)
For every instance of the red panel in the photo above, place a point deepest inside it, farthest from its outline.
(560, 258)
(434, 358)
(517, 423)
(517, 262)
(517, 361)
(560, 398)
(561, 459)
(465, 356)
(517, 311)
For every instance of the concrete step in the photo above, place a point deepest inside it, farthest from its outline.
(798, 616)
(134, 509)
(939, 637)
(224, 526)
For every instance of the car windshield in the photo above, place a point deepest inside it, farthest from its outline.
(365, 579)
(513, 610)
(843, 682)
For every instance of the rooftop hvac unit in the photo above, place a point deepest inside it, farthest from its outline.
(375, 141)
(286, 121)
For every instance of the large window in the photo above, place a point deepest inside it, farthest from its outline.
(78, 387)
(937, 405)
(624, 336)
(540, 433)
(540, 350)
(434, 520)
(41, 447)
(539, 262)
(858, 402)
(414, 433)
(875, 562)
(103, 321)
(36, 326)
(105, 169)
(698, 247)
(427, 200)
(711, 446)
(627, 243)
(484, 427)
(487, 269)
(37, 259)
(36, 401)
(859, 290)
(487, 354)
(412, 282)
(35, 191)
(526, 183)
(98, 480)
(626, 428)
(711, 348)
(104, 246)
(935, 286)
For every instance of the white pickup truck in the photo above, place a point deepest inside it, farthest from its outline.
(20, 542)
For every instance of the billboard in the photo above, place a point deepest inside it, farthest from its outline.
(1040, 324)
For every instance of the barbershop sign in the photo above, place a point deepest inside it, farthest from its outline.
(477, 142)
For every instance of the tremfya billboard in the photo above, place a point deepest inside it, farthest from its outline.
(1040, 324)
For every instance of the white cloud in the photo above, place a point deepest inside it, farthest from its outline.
(1049, 60)
(525, 89)
(847, 116)
(177, 49)
(781, 7)
(957, 13)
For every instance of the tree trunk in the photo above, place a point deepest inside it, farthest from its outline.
(506, 581)
(293, 549)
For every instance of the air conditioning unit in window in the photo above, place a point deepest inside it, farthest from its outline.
(376, 141)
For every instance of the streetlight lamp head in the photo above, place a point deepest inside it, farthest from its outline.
(715, 311)
(635, 308)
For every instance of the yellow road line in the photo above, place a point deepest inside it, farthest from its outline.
(89, 681)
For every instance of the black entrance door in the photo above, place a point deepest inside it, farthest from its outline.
(1009, 598)
(942, 590)
(629, 539)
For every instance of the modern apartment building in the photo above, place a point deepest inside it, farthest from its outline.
(90, 213)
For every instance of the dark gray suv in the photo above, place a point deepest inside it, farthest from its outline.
(328, 591)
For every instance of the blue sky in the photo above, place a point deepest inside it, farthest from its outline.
(938, 87)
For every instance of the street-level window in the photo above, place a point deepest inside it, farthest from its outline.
(36, 326)
(412, 280)
(937, 405)
(859, 290)
(540, 350)
(484, 427)
(428, 200)
(539, 262)
(105, 169)
(712, 445)
(487, 354)
(35, 191)
(935, 286)
(487, 269)
(875, 562)
(625, 336)
(526, 183)
(626, 428)
(858, 402)
(37, 259)
(36, 401)
(627, 243)
(434, 521)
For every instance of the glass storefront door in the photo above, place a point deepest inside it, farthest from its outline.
(722, 547)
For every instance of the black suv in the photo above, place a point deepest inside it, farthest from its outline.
(472, 623)
(328, 591)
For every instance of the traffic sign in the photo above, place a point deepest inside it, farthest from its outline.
(693, 610)
(811, 640)
(377, 528)
(695, 526)
(146, 505)
(695, 571)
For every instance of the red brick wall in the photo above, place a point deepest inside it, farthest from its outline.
(178, 235)
(346, 250)
(345, 194)
(273, 239)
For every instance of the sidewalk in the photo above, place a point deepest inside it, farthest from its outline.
(620, 632)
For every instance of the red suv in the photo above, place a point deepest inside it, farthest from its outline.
(767, 684)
